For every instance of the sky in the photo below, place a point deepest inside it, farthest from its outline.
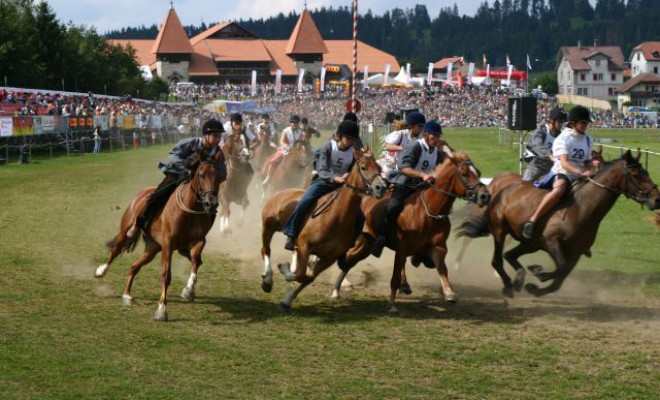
(107, 15)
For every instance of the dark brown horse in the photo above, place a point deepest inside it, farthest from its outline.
(565, 233)
(292, 171)
(181, 226)
(423, 226)
(328, 233)
(262, 151)
(239, 175)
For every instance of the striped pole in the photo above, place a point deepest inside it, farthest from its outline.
(355, 43)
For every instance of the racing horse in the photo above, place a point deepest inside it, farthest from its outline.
(262, 151)
(423, 226)
(292, 171)
(566, 232)
(329, 231)
(239, 176)
(181, 226)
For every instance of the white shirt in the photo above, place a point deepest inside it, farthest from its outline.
(576, 146)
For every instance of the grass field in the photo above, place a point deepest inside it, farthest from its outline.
(65, 335)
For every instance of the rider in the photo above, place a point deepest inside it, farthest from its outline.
(235, 127)
(415, 165)
(267, 128)
(332, 161)
(397, 140)
(572, 153)
(539, 146)
(289, 136)
(178, 169)
(308, 130)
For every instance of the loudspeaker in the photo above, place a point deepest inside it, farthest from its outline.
(522, 113)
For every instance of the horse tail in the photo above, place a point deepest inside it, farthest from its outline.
(125, 246)
(476, 223)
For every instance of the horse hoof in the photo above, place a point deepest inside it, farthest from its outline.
(188, 294)
(405, 288)
(100, 271)
(533, 289)
(160, 316)
(285, 308)
(535, 269)
(266, 287)
(393, 310)
(127, 300)
(451, 298)
(508, 292)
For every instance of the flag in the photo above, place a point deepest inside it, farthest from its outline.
(366, 77)
(485, 60)
(508, 62)
(408, 70)
(301, 75)
(508, 74)
(254, 83)
(487, 74)
(278, 81)
(429, 75)
(322, 83)
(461, 62)
(529, 64)
(470, 72)
(450, 66)
(386, 78)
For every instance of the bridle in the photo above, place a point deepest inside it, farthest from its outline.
(640, 196)
(199, 194)
(367, 182)
(471, 191)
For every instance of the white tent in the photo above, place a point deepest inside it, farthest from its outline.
(146, 73)
(402, 77)
(379, 80)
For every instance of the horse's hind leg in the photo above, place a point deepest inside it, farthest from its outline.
(564, 267)
(165, 280)
(267, 232)
(395, 282)
(498, 264)
(150, 251)
(439, 254)
(357, 253)
(512, 257)
(195, 258)
(291, 294)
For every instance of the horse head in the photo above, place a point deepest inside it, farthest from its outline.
(206, 180)
(300, 151)
(468, 185)
(365, 174)
(636, 182)
(236, 150)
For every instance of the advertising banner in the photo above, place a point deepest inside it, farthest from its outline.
(5, 126)
(22, 126)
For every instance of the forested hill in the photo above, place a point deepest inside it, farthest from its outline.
(499, 28)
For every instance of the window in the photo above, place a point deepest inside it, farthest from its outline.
(597, 62)
(613, 77)
(611, 91)
(655, 70)
(583, 77)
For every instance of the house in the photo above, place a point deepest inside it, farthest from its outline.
(645, 58)
(227, 52)
(590, 71)
(641, 91)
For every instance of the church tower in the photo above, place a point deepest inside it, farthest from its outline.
(306, 46)
(173, 50)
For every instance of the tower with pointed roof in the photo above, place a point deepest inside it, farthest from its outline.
(306, 47)
(172, 49)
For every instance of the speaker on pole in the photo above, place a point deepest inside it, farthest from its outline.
(522, 113)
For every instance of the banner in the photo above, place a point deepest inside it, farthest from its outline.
(386, 78)
(508, 74)
(103, 121)
(156, 122)
(470, 72)
(278, 81)
(366, 77)
(5, 126)
(47, 124)
(322, 83)
(301, 75)
(128, 122)
(487, 74)
(408, 70)
(429, 75)
(450, 68)
(22, 126)
(254, 83)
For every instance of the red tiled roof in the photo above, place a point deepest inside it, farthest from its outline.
(172, 39)
(639, 79)
(201, 61)
(650, 50)
(305, 38)
(142, 48)
(279, 58)
(341, 52)
(238, 49)
(442, 64)
(577, 56)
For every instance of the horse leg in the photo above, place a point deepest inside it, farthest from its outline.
(395, 282)
(165, 280)
(357, 253)
(195, 258)
(405, 286)
(438, 254)
(564, 265)
(150, 251)
(116, 245)
(461, 253)
(303, 278)
(498, 264)
(267, 233)
(512, 257)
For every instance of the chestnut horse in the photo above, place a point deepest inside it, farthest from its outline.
(239, 176)
(566, 232)
(292, 171)
(262, 151)
(329, 231)
(181, 226)
(423, 226)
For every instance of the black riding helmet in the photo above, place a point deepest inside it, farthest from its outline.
(349, 128)
(557, 114)
(579, 113)
(212, 126)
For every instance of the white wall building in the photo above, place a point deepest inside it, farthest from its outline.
(645, 59)
(590, 71)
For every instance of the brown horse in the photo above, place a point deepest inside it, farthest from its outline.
(330, 230)
(262, 151)
(423, 226)
(181, 226)
(292, 171)
(239, 176)
(568, 231)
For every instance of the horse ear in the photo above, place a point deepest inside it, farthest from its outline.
(639, 154)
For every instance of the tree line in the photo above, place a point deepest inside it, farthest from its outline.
(37, 51)
(498, 28)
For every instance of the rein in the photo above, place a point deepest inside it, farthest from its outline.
(638, 198)
(198, 197)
